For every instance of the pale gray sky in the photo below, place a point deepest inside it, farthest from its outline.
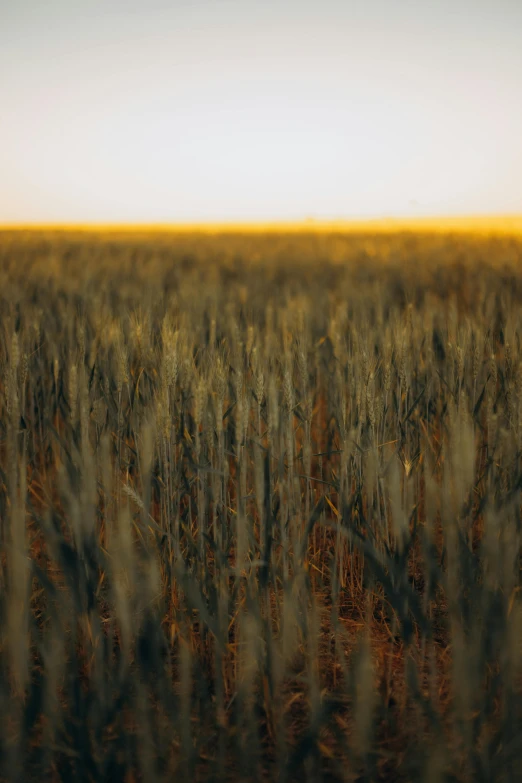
(119, 111)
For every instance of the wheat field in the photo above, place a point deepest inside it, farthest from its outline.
(260, 506)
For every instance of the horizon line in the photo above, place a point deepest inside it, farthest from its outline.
(481, 223)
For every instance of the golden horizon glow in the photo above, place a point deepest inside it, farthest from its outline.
(475, 224)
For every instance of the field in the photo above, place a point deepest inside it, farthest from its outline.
(260, 506)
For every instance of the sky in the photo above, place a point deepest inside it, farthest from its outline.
(117, 111)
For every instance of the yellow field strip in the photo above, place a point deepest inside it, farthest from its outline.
(502, 224)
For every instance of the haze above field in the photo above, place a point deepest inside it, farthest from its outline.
(164, 113)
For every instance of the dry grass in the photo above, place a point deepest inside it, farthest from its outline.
(260, 506)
